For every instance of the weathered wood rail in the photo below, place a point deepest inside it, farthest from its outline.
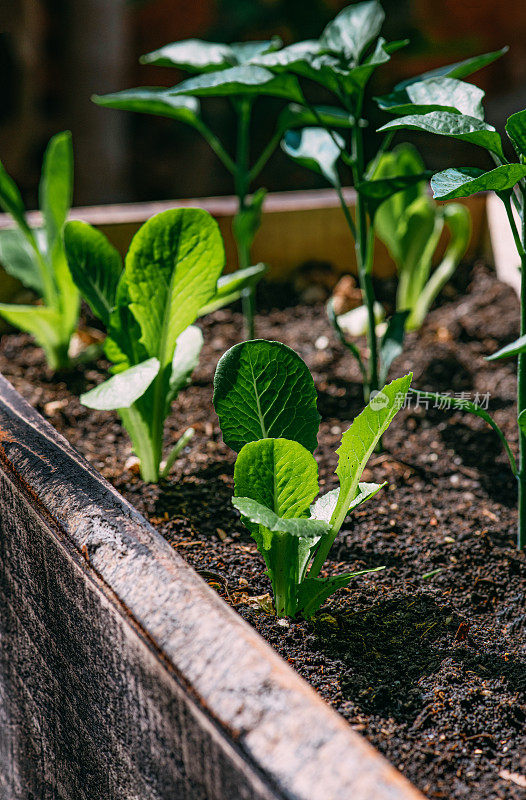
(123, 675)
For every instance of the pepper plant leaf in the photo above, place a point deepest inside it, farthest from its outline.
(246, 80)
(123, 389)
(153, 100)
(460, 69)
(95, 265)
(435, 94)
(192, 55)
(316, 149)
(353, 29)
(516, 130)
(466, 181)
(458, 126)
(264, 390)
(297, 116)
(279, 474)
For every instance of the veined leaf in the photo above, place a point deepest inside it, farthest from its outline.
(56, 186)
(192, 55)
(18, 259)
(279, 474)
(153, 100)
(95, 266)
(230, 287)
(513, 349)
(122, 390)
(325, 505)
(516, 130)
(359, 441)
(316, 149)
(458, 126)
(123, 343)
(466, 181)
(171, 270)
(353, 29)
(264, 390)
(185, 359)
(246, 80)
(261, 515)
(435, 94)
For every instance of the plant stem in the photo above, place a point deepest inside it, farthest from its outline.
(264, 157)
(363, 254)
(242, 181)
(216, 146)
(521, 392)
(174, 452)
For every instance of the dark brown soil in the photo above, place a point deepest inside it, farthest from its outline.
(427, 658)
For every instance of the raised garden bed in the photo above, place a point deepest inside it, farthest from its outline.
(428, 665)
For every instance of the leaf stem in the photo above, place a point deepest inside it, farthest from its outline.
(264, 157)
(216, 145)
(174, 452)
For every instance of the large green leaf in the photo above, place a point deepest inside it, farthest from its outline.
(261, 515)
(95, 266)
(325, 505)
(56, 186)
(353, 29)
(359, 441)
(247, 80)
(264, 390)
(460, 69)
(153, 100)
(230, 287)
(279, 474)
(466, 181)
(435, 94)
(306, 59)
(516, 130)
(40, 321)
(17, 257)
(316, 149)
(444, 123)
(185, 359)
(124, 389)
(171, 269)
(192, 55)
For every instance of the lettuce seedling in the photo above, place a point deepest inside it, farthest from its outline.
(441, 102)
(265, 399)
(229, 72)
(170, 275)
(37, 258)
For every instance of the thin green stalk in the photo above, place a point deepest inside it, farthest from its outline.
(345, 209)
(264, 157)
(242, 182)
(174, 452)
(216, 145)
(521, 394)
(363, 250)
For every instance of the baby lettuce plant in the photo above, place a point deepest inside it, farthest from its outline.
(342, 61)
(226, 71)
(170, 273)
(442, 103)
(37, 258)
(410, 224)
(265, 399)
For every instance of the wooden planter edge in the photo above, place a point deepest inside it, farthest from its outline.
(124, 675)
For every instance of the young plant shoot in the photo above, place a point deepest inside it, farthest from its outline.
(342, 61)
(170, 276)
(265, 399)
(37, 258)
(442, 103)
(229, 72)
